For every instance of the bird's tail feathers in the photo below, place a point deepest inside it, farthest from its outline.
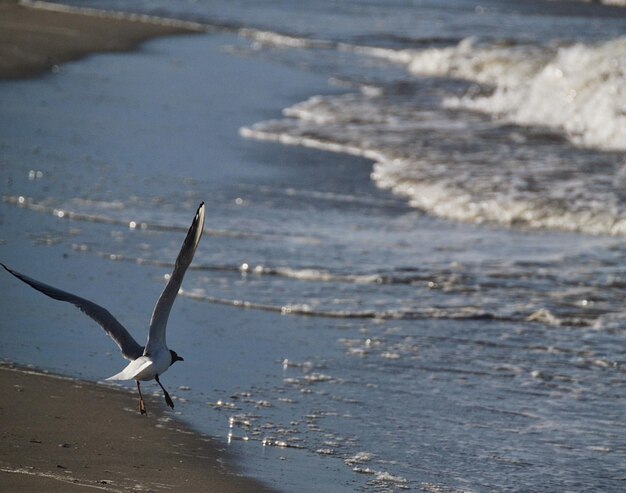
(133, 370)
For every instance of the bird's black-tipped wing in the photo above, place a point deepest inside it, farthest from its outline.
(129, 347)
(166, 300)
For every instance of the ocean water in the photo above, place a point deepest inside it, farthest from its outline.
(413, 271)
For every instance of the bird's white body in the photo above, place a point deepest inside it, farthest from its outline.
(146, 367)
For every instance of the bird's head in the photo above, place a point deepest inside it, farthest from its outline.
(175, 357)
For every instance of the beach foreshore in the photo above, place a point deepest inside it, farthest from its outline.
(62, 434)
(35, 39)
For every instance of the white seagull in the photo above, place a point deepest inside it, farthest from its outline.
(149, 362)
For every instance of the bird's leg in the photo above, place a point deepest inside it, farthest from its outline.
(168, 399)
(142, 406)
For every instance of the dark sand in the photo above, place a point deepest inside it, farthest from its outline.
(60, 434)
(34, 41)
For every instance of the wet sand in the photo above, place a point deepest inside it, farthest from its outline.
(61, 434)
(35, 39)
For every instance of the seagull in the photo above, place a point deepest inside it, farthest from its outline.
(151, 361)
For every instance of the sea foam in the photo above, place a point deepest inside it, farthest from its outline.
(579, 89)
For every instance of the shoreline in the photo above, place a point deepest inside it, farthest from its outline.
(36, 37)
(65, 434)
(216, 467)
(50, 441)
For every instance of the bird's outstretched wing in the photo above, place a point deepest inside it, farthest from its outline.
(129, 347)
(156, 338)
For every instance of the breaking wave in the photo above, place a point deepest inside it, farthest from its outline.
(578, 89)
(452, 167)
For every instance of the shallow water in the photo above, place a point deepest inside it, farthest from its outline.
(463, 334)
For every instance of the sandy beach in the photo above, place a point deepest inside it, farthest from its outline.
(61, 434)
(34, 41)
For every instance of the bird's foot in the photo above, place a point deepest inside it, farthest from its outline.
(169, 401)
(142, 408)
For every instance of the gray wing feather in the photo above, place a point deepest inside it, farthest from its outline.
(161, 313)
(129, 347)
